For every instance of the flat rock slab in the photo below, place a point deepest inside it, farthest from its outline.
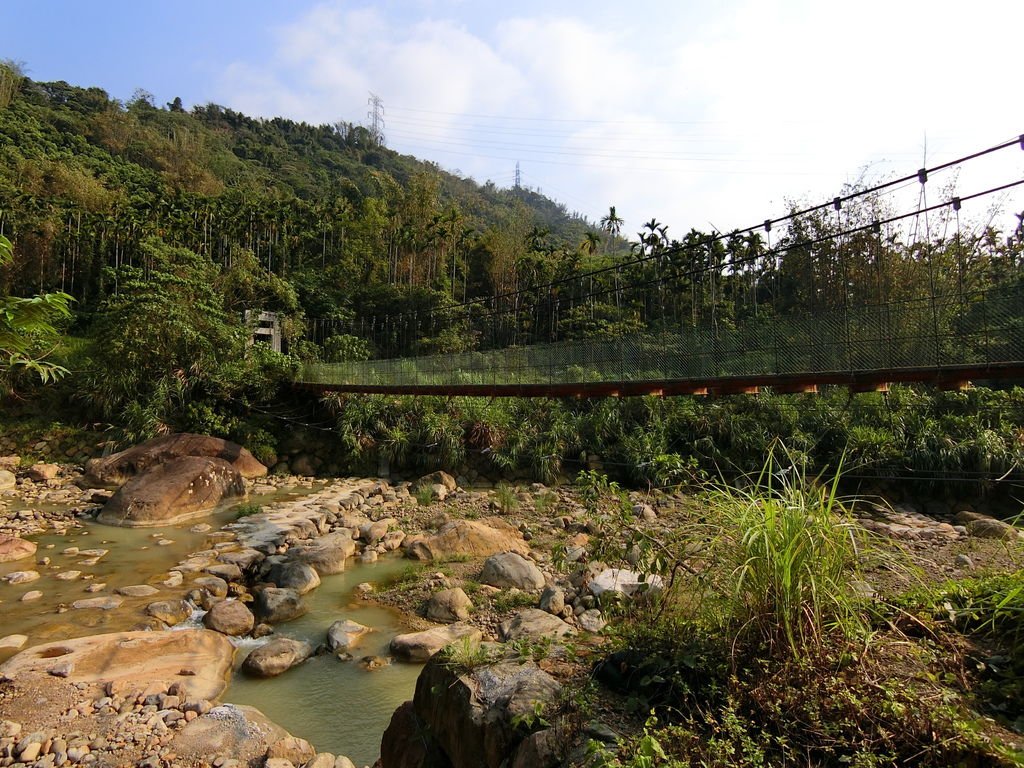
(196, 659)
(12, 548)
(21, 577)
(137, 590)
(420, 646)
(13, 641)
(98, 603)
(117, 469)
(181, 489)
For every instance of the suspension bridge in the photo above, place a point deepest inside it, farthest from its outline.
(718, 314)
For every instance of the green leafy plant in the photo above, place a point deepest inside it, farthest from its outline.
(506, 497)
(424, 495)
(248, 509)
(467, 654)
(787, 558)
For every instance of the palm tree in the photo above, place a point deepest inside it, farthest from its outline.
(591, 241)
(612, 224)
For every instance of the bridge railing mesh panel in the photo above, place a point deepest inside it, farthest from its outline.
(975, 329)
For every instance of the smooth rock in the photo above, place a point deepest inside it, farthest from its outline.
(552, 600)
(449, 605)
(99, 603)
(13, 641)
(276, 605)
(990, 528)
(13, 548)
(420, 646)
(181, 489)
(42, 473)
(170, 612)
(289, 574)
(117, 469)
(293, 749)
(34, 594)
(21, 577)
(277, 656)
(475, 538)
(214, 585)
(511, 570)
(230, 617)
(137, 590)
(326, 554)
(533, 622)
(344, 634)
(196, 660)
(624, 581)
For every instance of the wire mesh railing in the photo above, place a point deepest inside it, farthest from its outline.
(979, 329)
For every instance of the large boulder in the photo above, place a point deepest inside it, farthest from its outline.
(180, 489)
(12, 548)
(623, 581)
(197, 660)
(170, 612)
(475, 538)
(511, 570)
(277, 656)
(420, 646)
(342, 635)
(7, 480)
(117, 469)
(230, 617)
(449, 605)
(290, 574)
(327, 554)
(275, 605)
(231, 732)
(469, 719)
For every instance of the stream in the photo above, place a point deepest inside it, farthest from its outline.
(339, 707)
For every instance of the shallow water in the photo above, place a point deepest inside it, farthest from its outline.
(133, 557)
(337, 706)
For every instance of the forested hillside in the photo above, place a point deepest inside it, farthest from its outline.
(150, 230)
(85, 180)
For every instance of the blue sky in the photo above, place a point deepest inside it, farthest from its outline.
(710, 114)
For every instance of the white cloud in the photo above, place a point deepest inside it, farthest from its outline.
(690, 118)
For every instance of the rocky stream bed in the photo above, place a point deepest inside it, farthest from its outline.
(104, 679)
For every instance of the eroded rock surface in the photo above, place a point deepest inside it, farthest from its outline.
(117, 469)
(180, 489)
(197, 660)
(475, 538)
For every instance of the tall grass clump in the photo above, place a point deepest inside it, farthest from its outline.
(786, 560)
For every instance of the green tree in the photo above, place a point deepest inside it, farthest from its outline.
(612, 224)
(29, 329)
(162, 342)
